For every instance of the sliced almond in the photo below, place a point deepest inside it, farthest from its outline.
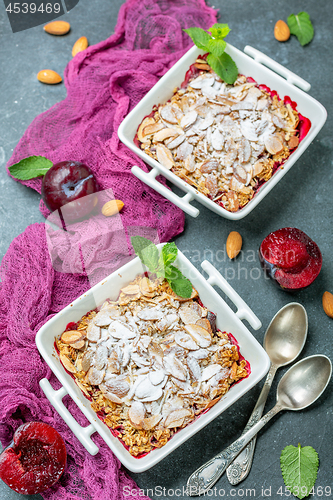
(78, 345)
(67, 363)
(187, 314)
(186, 341)
(211, 185)
(136, 414)
(176, 418)
(164, 156)
(163, 134)
(72, 336)
(199, 334)
(233, 371)
(131, 290)
(174, 367)
(240, 173)
(189, 163)
(273, 145)
(113, 362)
(112, 397)
(258, 167)
(177, 141)
(93, 332)
(202, 66)
(118, 387)
(94, 376)
(194, 367)
(147, 121)
(210, 371)
(204, 322)
(233, 202)
(188, 119)
(86, 360)
(101, 356)
(212, 402)
(147, 287)
(168, 113)
(209, 166)
(152, 129)
(150, 422)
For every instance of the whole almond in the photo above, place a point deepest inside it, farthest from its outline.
(328, 304)
(80, 45)
(281, 31)
(234, 244)
(57, 28)
(49, 76)
(112, 207)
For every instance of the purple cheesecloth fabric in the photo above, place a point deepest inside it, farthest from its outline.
(43, 273)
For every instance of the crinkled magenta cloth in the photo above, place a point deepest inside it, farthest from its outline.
(103, 84)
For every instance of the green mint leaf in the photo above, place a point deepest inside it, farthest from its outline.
(178, 283)
(301, 27)
(219, 31)
(147, 251)
(200, 37)
(299, 468)
(169, 253)
(216, 47)
(223, 66)
(31, 167)
(159, 264)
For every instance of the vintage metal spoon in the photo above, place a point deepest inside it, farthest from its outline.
(284, 340)
(299, 387)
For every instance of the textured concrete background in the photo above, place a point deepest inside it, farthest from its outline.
(302, 199)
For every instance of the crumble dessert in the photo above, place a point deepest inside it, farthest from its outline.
(225, 140)
(150, 362)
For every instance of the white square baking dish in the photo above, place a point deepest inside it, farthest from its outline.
(110, 287)
(257, 67)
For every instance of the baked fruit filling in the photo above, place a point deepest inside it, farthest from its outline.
(224, 140)
(150, 362)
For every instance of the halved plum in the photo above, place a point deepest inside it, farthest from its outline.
(35, 459)
(290, 258)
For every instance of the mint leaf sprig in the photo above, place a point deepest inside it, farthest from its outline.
(161, 264)
(299, 468)
(300, 25)
(213, 43)
(30, 168)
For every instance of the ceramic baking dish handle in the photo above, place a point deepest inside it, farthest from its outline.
(278, 68)
(82, 433)
(243, 310)
(150, 179)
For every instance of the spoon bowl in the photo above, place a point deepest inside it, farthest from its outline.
(284, 339)
(286, 334)
(299, 387)
(304, 383)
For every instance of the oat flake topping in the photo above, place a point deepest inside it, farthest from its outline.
(222, 139)
(150, 362)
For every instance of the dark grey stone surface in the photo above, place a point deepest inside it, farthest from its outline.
(302, 199)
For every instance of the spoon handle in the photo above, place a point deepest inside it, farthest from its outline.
(241, 466)
(206, 476)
